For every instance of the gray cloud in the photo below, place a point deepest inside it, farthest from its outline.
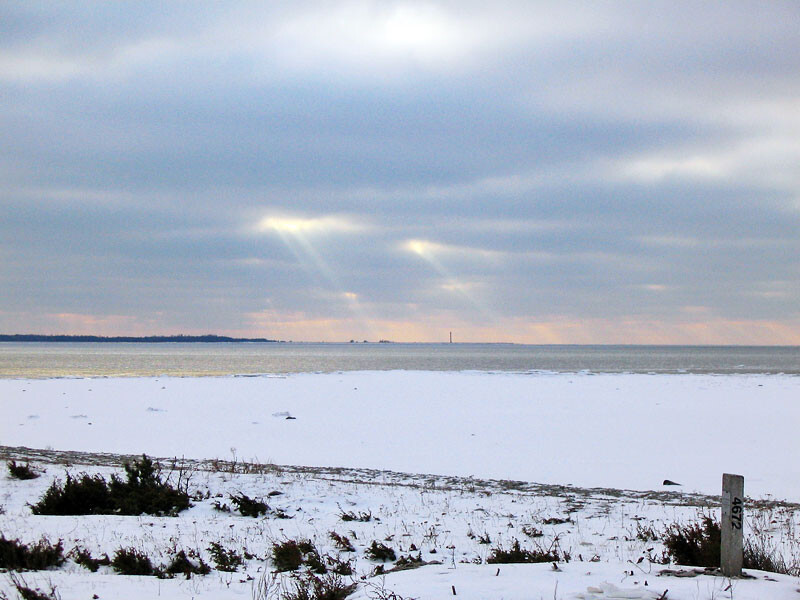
(572, 164)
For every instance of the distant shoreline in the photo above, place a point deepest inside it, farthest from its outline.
(28, 337)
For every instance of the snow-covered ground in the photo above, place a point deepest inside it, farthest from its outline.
(606, 430)
(451, 521)
(479, 432)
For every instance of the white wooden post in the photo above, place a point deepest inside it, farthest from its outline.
(732, 525)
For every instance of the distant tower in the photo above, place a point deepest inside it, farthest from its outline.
(451, 337)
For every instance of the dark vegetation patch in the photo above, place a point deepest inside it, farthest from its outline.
(130, 561)
(360, 516)
(291, 555)
(16, 556)
(28, 593)
(143, 492)
(646, 533)
(225, 559)
(761, 555)
(699, 544)
(340, 567)
(310, 557)
(84, 558)
(696, 544)
(380, 551)
(342, 542)
(518, 554)
(312, 587)
(557, 521)
(405, 563)
(86, 495)
(532, 532)
(287, 556)
(20, 471)
(181, 564)
(249, 507)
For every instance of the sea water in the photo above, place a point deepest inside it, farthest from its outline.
(109, 359)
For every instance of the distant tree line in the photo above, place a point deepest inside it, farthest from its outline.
(31, 337)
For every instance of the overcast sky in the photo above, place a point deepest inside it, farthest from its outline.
(539, 172)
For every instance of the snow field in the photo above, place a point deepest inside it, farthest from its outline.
(477, 431)
(444, 519)
(608, 430)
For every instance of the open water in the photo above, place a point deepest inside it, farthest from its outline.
(67, 359)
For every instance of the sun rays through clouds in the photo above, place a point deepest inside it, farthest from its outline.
(305, 239)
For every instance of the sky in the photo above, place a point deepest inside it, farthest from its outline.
(530, 172)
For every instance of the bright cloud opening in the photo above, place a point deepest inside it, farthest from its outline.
(656, 168)
(371, 36)
(427, 249)
(422, 30)
(299, 225)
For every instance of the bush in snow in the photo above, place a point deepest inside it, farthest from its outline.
(379, 551)
(224, 559)
(181, 564)
(360, 516)
(342, 542)
(29, 593)
(517, 554)
(143, 492)
(19, 471)
(249, 507)
(311, 587)
(84, 558)
(130, 561)
(695, 544)
(291, 555)
(287, 556)
(699, 544)
(86, 495)
(16, 556)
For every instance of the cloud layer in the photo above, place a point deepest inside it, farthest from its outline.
(530, 172)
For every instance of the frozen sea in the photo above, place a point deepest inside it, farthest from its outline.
(65, 359)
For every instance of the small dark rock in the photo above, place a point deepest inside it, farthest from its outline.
(669, 482)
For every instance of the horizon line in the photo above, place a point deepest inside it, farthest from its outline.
(218, 338)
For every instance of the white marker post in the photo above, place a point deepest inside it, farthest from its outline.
(732, 525)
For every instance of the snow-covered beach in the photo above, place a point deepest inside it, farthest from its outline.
(438, 460)
(627, 431)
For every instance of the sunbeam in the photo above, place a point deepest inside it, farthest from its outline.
(296, 234)
(430, 252)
